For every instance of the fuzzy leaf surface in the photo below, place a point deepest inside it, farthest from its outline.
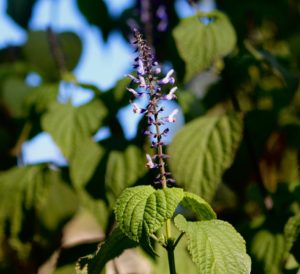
(142, 210)
(215, 246)
(198, 206)
(202, 150)
(202, 39)
(116, 243)
(69, 126)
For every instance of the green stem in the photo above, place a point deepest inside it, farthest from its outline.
(171, 258)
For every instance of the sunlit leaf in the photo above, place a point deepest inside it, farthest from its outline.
(142, 210)
(198, 206)
(202, 39)
(69, 126)
(84, 162)
(215, 246)
(202, 150)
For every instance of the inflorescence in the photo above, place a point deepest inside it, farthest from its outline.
(150, 84)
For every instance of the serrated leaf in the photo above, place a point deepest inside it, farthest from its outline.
(85, 161)
(215, 246)
(268, 249)
(142, 210)
(202, 150)
(202, 39)
(37, 50)
(198, 206)
(123, 169)
(291, 232)
(183, 260)
(116, 243)
(69, 126)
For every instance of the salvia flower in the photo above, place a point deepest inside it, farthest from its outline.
(150, 83)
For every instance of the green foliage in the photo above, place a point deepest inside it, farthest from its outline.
(83, 164)
(13, 94)
(109, 249)
(39, 99)
(123, 169)
(246, 165)
(70, 126)
(198, 206)
(39, 53)
(291, 232)
(268, 249)
(202, 150)
(33, 190)
(202, 39)
(142, 210)
(215, 246)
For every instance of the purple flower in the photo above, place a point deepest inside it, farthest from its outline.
(167, 79)
(150, 163)
(171, 118)
(150, 85)
(171, 95)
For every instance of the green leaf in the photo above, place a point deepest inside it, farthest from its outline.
(39, 99)
(200, 42)
(142, 210)
(84, 162)
(52, 214)
(291, 232)
(117, 97)
(202, 150)
(268, 249)
(197, 205)
(14, 92)
(24, 190)
(19, 187)
(69, 126)
(116, 243)
(215, 246)
(20, 11)
(123, 169)
(183, 260)
(37, 51)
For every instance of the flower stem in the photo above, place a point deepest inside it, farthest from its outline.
(171, 258)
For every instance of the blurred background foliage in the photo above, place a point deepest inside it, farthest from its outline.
(245, 58)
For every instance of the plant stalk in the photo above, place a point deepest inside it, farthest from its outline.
(171, 258)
